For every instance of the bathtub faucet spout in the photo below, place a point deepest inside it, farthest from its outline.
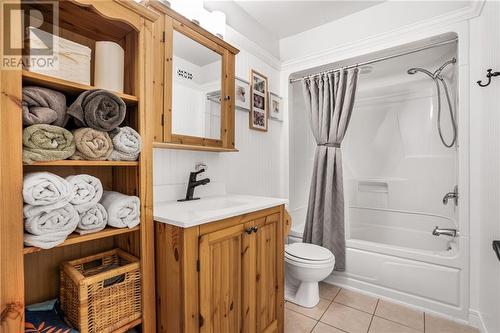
(448, 232)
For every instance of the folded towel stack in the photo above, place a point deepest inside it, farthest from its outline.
(44, 106)
(127, 144)
(55, 207)
(91, 144)
(95, 112)
(47, 143)
(88, 192)
(98, 109)
(48, 216)
(123, 210)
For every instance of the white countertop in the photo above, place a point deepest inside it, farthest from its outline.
(210, 209)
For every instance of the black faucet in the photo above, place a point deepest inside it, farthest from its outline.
(194, 183)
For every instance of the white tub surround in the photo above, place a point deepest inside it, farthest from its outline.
(192, 213)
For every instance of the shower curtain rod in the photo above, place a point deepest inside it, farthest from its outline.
(378, 59)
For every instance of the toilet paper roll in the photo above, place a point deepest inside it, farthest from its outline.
(109, 66)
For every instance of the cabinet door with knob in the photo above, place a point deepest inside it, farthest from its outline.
(222, 277)
(241, 269)
(221, 280)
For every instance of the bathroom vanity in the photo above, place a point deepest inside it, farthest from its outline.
(220, 264)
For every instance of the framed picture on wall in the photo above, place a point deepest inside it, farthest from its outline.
(259, 101)
(242, 94)
(275, 107)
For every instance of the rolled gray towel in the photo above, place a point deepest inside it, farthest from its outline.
(44, 106)
(98, 109)
(127, 144)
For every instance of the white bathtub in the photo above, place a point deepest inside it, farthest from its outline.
(393, 254)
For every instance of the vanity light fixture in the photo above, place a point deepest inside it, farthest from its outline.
(215, 21)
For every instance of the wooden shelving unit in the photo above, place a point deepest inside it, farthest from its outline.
(181, 146)
(76, 238)
(86, 163)
(31, 273)
(68, 87)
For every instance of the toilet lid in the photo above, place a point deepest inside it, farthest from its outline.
(308, 252)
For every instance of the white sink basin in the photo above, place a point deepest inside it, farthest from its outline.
(205, 210)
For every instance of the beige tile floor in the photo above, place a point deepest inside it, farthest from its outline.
(342, 310)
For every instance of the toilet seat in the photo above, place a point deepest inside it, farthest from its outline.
(309, 254)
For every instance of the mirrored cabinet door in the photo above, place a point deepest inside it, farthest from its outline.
(196, 89)
(194, 80)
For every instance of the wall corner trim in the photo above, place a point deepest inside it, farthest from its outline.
(471, 11)
(476, 320)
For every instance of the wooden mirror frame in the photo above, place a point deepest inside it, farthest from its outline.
(164, 137)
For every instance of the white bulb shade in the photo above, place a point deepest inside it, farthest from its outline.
(218, 20)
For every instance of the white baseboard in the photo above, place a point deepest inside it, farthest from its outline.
(476, 320)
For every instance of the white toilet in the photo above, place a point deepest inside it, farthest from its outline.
(306, 265)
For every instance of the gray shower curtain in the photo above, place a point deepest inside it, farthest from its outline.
(329, 100)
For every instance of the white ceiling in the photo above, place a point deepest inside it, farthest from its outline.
(286, 18)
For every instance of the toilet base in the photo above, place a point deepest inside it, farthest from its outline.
(306, 294)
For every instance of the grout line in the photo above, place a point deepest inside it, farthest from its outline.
(329, 325)
(376, 306)
(312, 329)
(338, 292)
(373, 316)
(355, 308)
(330, 304)
(305, 314)
(393, 321)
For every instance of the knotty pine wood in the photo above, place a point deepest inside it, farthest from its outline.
(260, 257)
(35, 276)
(162, 8)
(163, 103)
(228, 101)
(76, 238)
(220, 280)
(249, 284)
(85, 163)
(68, 87)
(168, 79)
(11, 202)
(179, 146)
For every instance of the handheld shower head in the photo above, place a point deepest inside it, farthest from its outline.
(436, 77)
(412, 71)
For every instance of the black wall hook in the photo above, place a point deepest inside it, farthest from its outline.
(489, 75)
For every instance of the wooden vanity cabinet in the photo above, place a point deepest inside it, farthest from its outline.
(224, 276)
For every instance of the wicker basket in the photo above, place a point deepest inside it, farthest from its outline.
(101, 293)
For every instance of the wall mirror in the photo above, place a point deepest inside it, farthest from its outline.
(196, 89)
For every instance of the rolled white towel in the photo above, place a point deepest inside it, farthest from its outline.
(47, 190)
(87, 189)
(92, 219)
(49, 229)
(123, 210)
(127, 144)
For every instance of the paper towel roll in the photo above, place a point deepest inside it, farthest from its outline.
(109, 66)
